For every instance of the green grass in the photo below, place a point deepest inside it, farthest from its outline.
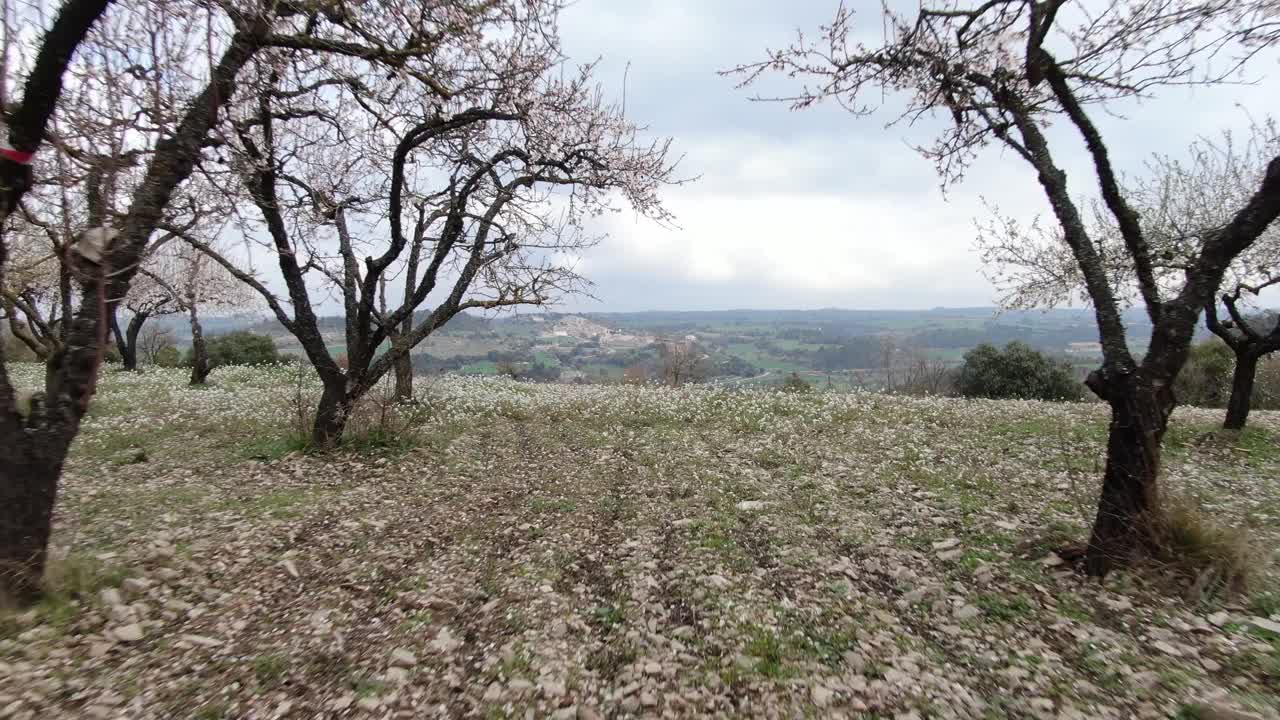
(269, 670)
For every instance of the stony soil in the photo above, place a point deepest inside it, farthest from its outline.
(586, 552)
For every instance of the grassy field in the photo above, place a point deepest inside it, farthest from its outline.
(516, 550)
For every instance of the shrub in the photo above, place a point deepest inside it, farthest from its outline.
(168, 357)
(1205, 381)
(1017, 371)
(239, 348)
(795, 384)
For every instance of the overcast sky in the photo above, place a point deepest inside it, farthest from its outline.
(815, 208)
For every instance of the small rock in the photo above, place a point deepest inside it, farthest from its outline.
(747, 505)
(129, 633)
(648, 698)
(445, 642)
(400, 676)
(946, 544)
(1220, 618)
(966, 612)
(1210, 664)
(110, 597)
(716, 581)
(553, 688)
(1121, 605)
(202, 641)
(99, 649)
(135, 586)
(1147, 679)
(1051, 560)
(341, 703)
(401, 657)
(1167, 648)
(950, 554)
(821, 696)
(565, 713)
(369, 703)
(1270, 626)
(290, 568)
(493, 693)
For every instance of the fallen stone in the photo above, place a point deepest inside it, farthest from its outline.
(966, 612)
(553, 688)
(445, 642)
(111, 597)
(1270, 626)
(401, 657)
(135, 586)
(132, 632)
(821, 696)
(748, 505)
(946, 544)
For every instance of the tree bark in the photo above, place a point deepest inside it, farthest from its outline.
(199, 351)
(404, 378)
(1130, 499)
(331, 415)
(28, 490)
(1241, 391)
(129, 350)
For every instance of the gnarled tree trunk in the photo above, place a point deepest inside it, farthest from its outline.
(127, 342)
(1130, 499)
(199, 351)
(28, 489)
(404, 378)
(331, 415)
(1241, 390)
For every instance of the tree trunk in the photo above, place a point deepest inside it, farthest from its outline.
(1130, 498)
(404, 379)
(128, 345)
(28, 490)
(1241, 391)
(331, 416)
(199, 352)
(114, 322)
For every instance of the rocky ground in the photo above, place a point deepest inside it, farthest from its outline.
(586, 552)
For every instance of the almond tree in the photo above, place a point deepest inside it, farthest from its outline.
(151, 44)
(34, 440)
(462, 180)
(1000, 71)
(1182, 204)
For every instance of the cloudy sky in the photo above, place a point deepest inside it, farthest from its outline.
(817, 208)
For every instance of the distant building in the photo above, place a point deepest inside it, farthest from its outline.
(1084, 348)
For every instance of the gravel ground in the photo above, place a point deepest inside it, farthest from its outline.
(514, 550)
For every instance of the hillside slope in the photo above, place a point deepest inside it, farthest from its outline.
(601, 551)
